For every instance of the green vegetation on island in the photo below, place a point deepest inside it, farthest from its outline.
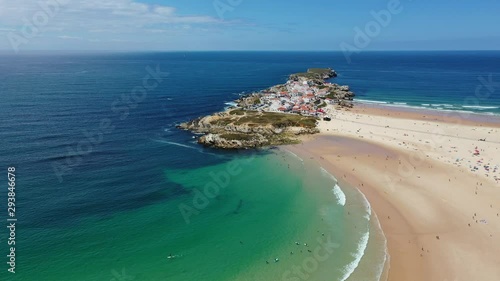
(274, 116)
(315, 73)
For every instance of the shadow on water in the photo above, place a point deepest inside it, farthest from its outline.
(105, 205)
(238, 208)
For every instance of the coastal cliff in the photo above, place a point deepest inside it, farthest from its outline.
(318, 74)
(275, 116)
(239, 128)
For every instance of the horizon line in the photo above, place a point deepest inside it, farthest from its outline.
(199, 51)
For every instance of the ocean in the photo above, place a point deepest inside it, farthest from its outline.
(108, 189)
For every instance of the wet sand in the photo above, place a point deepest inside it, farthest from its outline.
(432, 183)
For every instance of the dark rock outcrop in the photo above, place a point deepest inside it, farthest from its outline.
(256, 123)
(315, 74)
(227, 130)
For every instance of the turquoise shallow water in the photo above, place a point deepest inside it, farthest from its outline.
(249, 210)
(113, 209)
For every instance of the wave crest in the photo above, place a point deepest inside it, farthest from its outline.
(339, 195)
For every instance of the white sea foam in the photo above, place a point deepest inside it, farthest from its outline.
(197, 148)
(337, 191)
(294, 155)
(230, 105)
(434, 106)
(442, 105)
(441, 109)
(371, 101)
(362, 243)
(366, 204)
(400, 105)
(480, 107)
(326, 173)
(386, 253)
(339, 195)
(463, 111)
(176, 144)
(358, 255)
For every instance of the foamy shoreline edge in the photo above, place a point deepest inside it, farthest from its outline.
(373, 221)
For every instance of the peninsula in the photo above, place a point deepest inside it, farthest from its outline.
(274, 116)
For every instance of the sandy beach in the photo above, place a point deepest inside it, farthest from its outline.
(432, 179)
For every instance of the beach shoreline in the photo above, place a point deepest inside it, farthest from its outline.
(428, 114)
(431, 179)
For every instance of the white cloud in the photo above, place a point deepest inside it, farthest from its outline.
(83, 16)
(166, 11)
(69, 37)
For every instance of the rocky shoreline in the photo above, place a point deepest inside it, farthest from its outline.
(274, 116)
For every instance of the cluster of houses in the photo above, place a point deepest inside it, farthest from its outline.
(300, 97)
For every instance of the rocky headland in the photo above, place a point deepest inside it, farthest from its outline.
(274, 116)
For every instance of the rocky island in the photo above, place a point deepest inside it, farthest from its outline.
(274, 116)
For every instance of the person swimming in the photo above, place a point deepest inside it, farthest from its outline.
(170, 256)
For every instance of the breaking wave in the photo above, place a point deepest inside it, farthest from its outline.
(339, 195)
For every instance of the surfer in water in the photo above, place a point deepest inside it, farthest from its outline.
(170, 256)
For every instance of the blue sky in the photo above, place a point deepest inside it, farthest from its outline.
(249, 25)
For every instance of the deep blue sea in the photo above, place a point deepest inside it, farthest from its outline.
(92, 147)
